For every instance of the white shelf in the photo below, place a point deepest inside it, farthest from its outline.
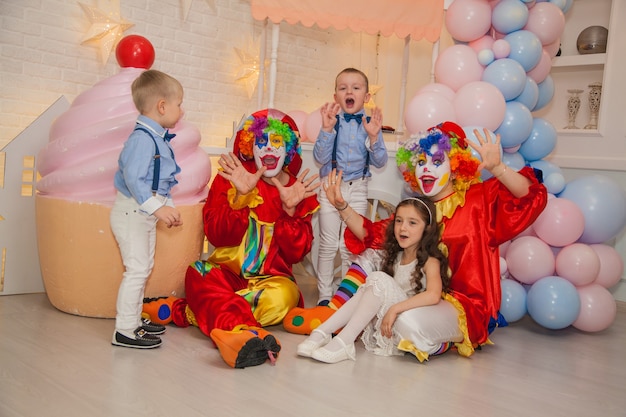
(582, 61)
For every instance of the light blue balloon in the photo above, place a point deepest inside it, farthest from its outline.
(485, 57)
(555, 183)
(516, 126)
(513, 303)
(514, 160)
(546, 93)
(553, 302)
(529, 95)
(540, 142)
(526, 48)
(509, 16)
(568, 4)
(507, 75)
(603, 203)
(546, 167)
(559, 3)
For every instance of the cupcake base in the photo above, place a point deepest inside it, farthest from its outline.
(81, 265)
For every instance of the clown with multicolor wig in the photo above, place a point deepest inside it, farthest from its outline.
(258, 217)
(475, 217)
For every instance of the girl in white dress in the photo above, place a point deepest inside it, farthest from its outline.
(412, 274)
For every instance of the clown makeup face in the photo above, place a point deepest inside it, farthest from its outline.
(433, 172)
(270, 151)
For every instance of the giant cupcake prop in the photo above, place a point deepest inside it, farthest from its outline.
(80, 262)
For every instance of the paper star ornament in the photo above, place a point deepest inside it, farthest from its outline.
(373, 89)
(107, 26)
(248, 71)
(186, 5)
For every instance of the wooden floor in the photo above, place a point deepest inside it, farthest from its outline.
(56, 364)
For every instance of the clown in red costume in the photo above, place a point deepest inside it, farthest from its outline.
(474, 217)
(258, 218)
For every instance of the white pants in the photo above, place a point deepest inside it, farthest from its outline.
(430, 326)
(331, 230)
(135, 232)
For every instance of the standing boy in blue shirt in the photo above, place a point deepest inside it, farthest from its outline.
(348, 142)
(144, 181)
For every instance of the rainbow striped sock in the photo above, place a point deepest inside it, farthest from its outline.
(354, 278)
(444, 347)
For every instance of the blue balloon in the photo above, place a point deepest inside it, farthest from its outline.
(509, 16)
(526, 48)
(513, 304)
(546, 167)
(485, 57)
(507, 75)
(603, 203)
(514, 160)
(540, 142)
(529, 95)
(555, 183)
(546, 92)
(516, 126)
(553, 302)
(568, 4)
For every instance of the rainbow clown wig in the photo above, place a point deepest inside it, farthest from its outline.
(450, 139)
(263, 124)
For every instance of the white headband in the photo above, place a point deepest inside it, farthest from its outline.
(430, 214)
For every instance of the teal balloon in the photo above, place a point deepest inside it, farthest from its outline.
(553, 302)
(603, 203)
(541, 141)
(513, 304)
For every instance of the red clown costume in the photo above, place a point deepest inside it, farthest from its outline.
(247, 283)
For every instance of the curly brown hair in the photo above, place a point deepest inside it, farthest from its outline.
(428, 245)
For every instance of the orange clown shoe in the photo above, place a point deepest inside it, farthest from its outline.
(246, 346)
(305, 320)
(158, 310)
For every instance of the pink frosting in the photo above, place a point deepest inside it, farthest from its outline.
(80, 160)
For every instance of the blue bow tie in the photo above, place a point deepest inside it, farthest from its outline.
(168, 136)
(357, 117)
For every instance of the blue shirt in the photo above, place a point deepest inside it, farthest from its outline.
(136, 165)
(353, 145)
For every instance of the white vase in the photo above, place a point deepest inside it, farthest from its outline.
(573, 105)
(594, 104)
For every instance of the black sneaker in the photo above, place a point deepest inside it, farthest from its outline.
(152, 328)
(142, 340)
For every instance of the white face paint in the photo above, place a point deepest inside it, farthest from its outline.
(270, 153)
(433, 174)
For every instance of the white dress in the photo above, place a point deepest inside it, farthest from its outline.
(391, 290)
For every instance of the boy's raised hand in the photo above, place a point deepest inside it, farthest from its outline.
(375, 124)
(329, 113)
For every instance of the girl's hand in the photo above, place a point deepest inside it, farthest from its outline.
(292, 195)
(332, 188)
(237, 174)
(386, 326)
(489, 151)
(329, 113)
(374, 125)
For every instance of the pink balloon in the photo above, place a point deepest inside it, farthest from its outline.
(479, 104)
(468, 20)
(547, 21)
(300, 117)
(458, 65)
(503, 248)
(611, 265)
(598, 308)
(442, 89)
(426, 110)
(561, 223)
(313, 124)
(484, 42)
(553, 48)
(578, 263)
(529, 259)
(501, 48)
(542, 69)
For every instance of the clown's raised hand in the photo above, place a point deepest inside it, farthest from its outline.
(488, 150)
(234, 171)
(292, 195)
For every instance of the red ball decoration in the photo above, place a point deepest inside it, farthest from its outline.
(134, 51)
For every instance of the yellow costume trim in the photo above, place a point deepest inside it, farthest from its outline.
(407, 346)
(191, 318)
(252, 199)
(465, 348)
(447, 206)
